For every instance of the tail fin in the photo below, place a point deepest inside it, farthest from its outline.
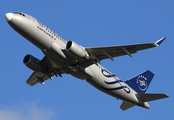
(141, 82)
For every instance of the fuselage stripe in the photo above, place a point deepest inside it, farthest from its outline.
(118, 88)
(114, 82)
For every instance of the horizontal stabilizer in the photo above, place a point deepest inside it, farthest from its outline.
(150, 97)
(126, 105)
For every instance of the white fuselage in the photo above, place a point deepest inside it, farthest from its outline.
(52, 45)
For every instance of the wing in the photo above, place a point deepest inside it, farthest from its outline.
(39, 77)
(100, 53)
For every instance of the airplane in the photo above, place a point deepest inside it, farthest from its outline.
(68, 57)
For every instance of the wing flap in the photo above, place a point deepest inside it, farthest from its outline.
(113, 51)
(37, 77)
(150, 97)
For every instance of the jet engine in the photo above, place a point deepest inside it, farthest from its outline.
(76, 50)
(33, 63)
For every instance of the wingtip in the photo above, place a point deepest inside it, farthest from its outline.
(166, 96)
(160, 41)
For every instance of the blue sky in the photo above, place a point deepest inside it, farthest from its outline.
(89, 23)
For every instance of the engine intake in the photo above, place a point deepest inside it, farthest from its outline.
(33, 63)
(76, 50)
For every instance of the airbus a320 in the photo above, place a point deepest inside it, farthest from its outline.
(68, 57)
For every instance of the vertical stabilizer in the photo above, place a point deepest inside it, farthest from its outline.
(141, 82)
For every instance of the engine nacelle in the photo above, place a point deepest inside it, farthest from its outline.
(76, 50)
(33, 63)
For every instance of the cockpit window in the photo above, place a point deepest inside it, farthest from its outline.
(20, 13)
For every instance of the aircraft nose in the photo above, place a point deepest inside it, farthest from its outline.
(8, 16)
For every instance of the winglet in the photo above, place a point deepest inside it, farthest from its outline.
(160, 41)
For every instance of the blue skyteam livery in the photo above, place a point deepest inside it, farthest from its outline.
(67, 57)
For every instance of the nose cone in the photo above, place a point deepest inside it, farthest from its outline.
(8, 16)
